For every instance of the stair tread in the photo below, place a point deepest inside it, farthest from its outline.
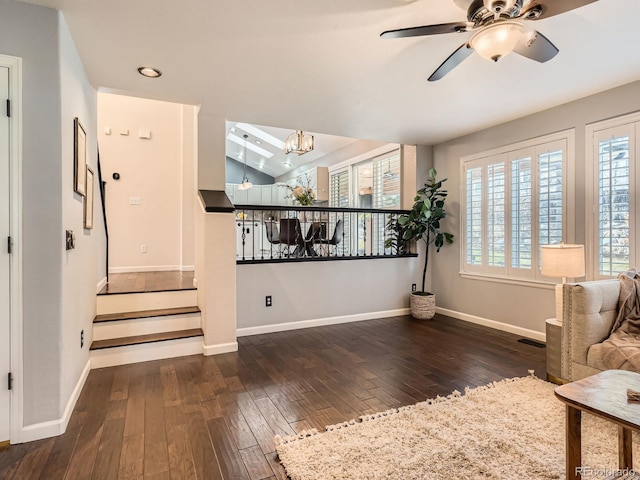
(161, 312)
(106, 293)
(150, 338)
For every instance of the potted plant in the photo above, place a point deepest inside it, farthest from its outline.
(395, 241)
(423, 223)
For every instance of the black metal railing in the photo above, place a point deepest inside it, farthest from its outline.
(295, 233)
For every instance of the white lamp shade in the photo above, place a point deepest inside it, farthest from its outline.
(563, 260)
(497, 40)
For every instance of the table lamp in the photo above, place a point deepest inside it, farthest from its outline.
(562, 261)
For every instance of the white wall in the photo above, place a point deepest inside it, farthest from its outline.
(81, 266)
(159, 171)
(318, 290)
(520, 306)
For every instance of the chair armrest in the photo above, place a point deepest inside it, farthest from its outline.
(589, 310)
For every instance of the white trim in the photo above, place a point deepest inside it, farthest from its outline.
(110, 357)
(504, 327)
(591, 179)
(56, 427)
(101, 284)
(320, 322)
(509, 280)
(219, 348)
(155, 268)
(14, 64)
(187, 268)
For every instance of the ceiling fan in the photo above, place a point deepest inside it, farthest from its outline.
(498, 27)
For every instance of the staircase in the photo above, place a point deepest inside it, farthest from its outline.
(141, 326)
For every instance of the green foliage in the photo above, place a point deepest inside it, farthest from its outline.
(395, 239)
(423, 221)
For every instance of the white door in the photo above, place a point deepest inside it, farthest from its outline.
(5, 336)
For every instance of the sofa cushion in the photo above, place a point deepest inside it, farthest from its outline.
(621, 351)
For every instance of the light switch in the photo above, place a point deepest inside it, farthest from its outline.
(144, 133)
(124, 132)
(107, 130)
(135, 201)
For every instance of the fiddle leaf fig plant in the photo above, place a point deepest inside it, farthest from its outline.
(423, 221)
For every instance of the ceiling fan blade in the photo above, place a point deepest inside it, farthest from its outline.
(550, 8)
(452, 62)
(536, 46)
(426, 30)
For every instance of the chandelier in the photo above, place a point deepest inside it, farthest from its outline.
(298, 143)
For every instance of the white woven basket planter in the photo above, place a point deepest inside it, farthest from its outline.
(423, 307)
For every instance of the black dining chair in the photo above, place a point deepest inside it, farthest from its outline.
(273, 236)
(336, 238)
(291, 235)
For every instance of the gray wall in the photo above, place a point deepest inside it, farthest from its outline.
(521, 306)
(315, 290)
(234, 171)
(83, 265)
(58, 288)
(42, 235)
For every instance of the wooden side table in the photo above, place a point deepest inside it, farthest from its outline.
(603, 395)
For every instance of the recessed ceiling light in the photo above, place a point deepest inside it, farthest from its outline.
(258, 142)
(233, 129)
(149, 72)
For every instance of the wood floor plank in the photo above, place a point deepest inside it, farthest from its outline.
(34, 462)
(256, 464)
(230, 460)
(204, 457)
(107, 462)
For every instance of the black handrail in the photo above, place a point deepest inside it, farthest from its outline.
(103, 185)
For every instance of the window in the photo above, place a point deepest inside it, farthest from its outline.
(613, 181)
(514, 202)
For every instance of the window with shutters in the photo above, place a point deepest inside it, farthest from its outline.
(514, 201)
(612, 183)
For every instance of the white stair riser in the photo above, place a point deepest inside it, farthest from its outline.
(137, 302)
(144, 326)
(109, 357)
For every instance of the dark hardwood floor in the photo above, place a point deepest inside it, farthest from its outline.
(215, 417)
(138, 282)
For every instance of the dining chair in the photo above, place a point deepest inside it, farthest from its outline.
(291, 235)
(273, 236)
(336, 238)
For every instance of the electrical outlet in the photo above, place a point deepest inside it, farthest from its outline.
(267, 301)
(81, 338)
(143, 248)
(414, 287)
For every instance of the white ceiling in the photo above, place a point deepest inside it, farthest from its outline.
(321, 66)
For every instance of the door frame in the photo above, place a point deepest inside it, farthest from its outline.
(14, 64)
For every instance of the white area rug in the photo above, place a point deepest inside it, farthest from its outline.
(510, 429)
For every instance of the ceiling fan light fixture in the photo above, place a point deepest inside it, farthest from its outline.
(497, 40)
(298, 143)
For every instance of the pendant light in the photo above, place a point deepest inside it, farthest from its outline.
(246, 184)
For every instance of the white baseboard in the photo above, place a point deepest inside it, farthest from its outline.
(319, 322)
(54, 428)
(101, 284)
(505, 327)
(154, 268)
(187, 268)
(220, 348)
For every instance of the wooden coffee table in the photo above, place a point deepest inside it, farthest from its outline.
(603, 395)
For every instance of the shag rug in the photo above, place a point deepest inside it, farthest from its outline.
(508, 430)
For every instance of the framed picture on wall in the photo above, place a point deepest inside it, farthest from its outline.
(88, 201)
(80, 158)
